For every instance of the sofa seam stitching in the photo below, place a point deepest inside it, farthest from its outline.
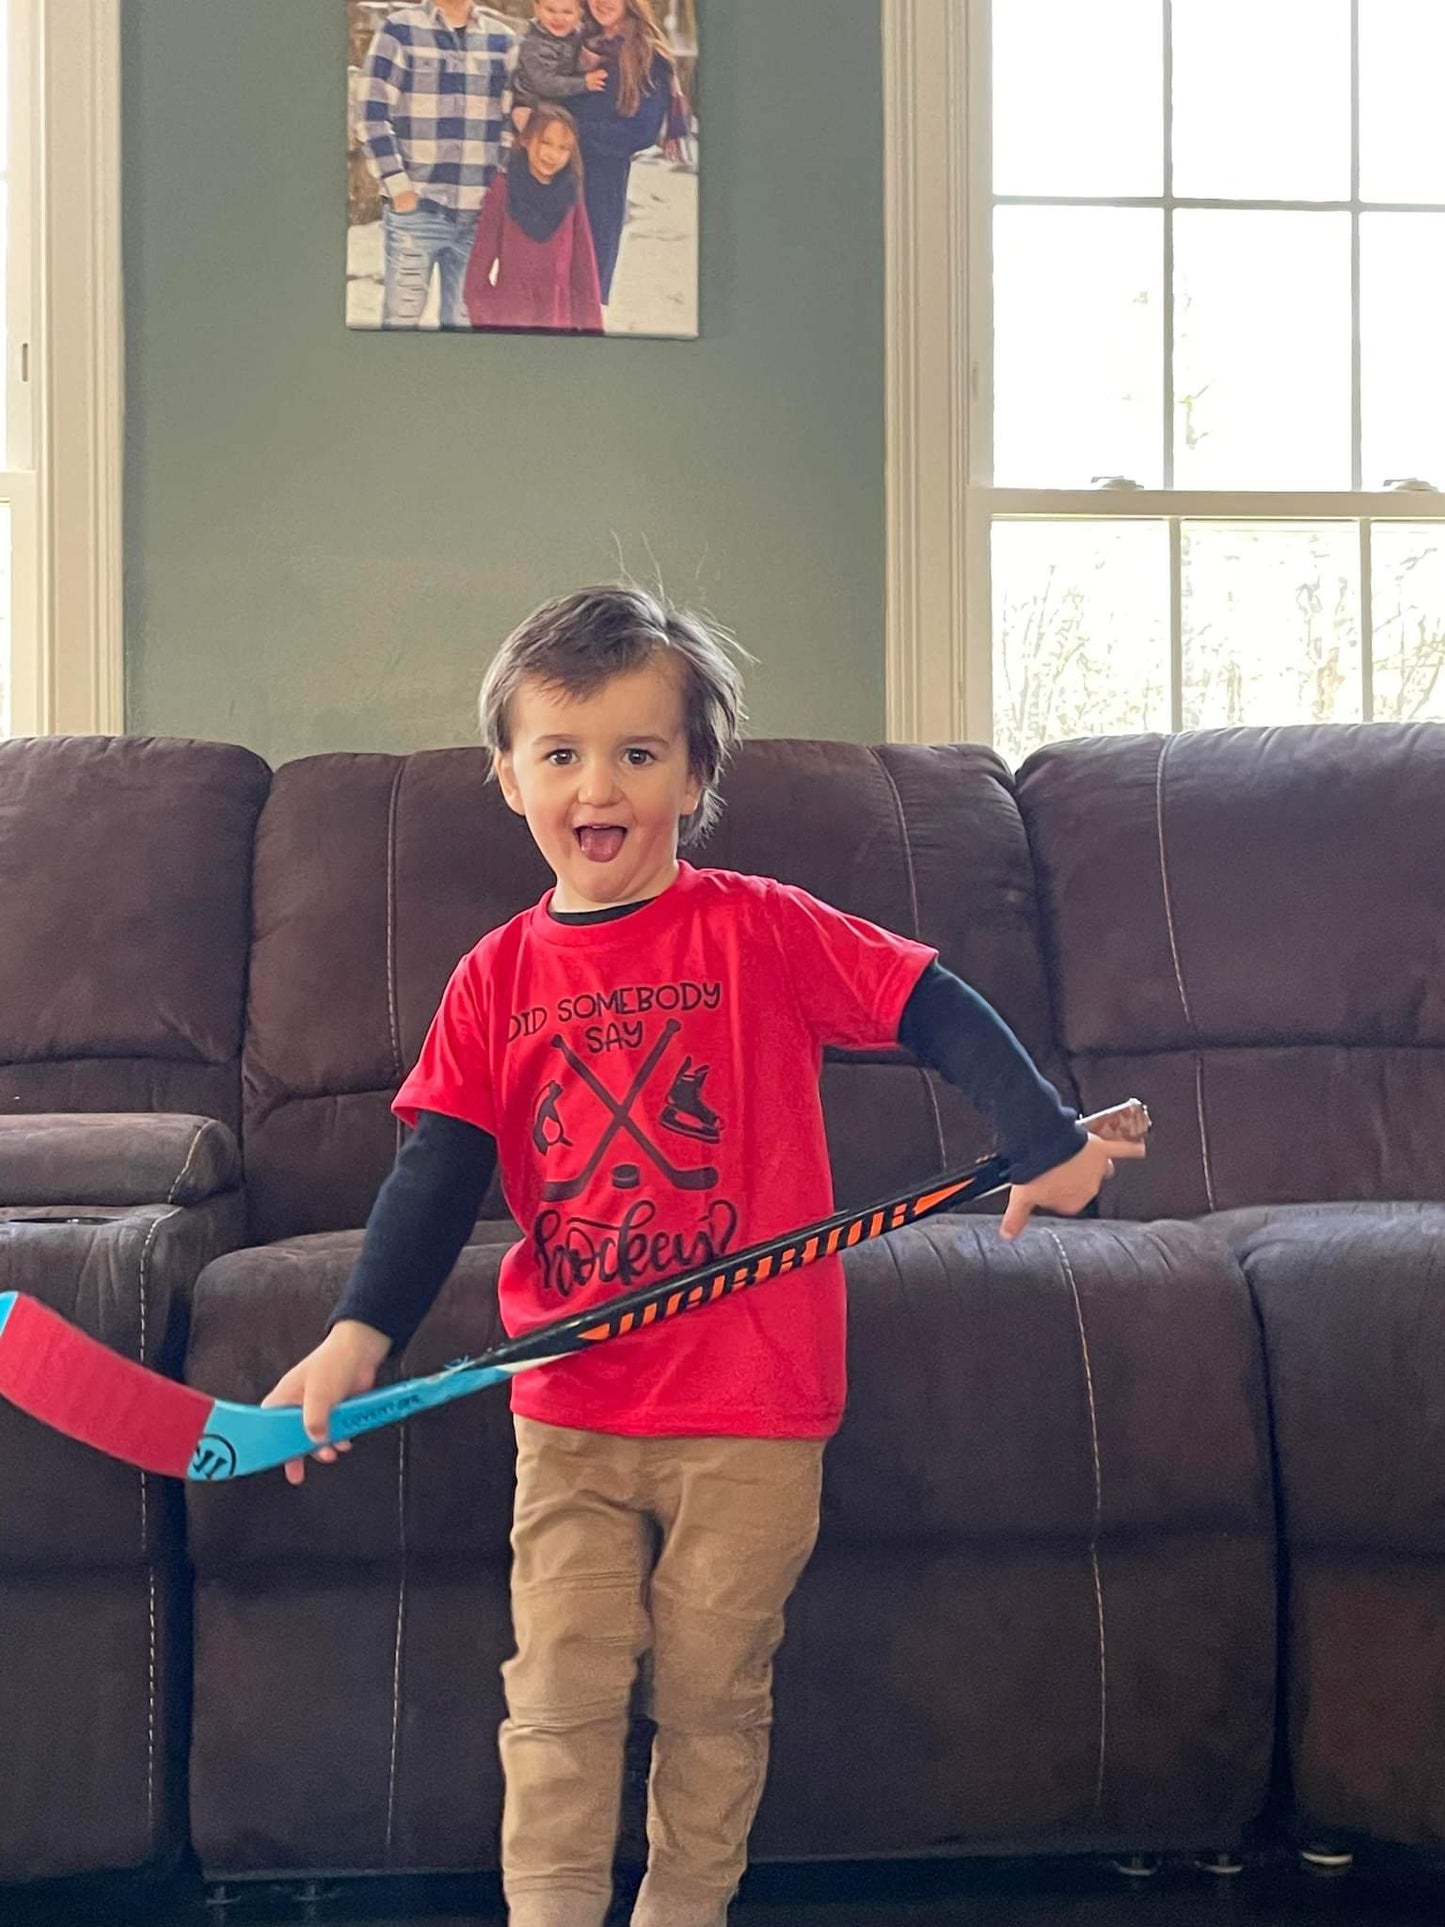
(391, 1011)
(201, 1129)
(901, 817)
(1168, 893)
(145, 1258)
(1097, 1521)
(397, 1644)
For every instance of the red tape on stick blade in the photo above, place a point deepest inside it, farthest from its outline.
(70, 1381)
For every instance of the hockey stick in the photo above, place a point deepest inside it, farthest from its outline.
(78, 1386)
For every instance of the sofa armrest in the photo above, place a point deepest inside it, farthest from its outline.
(115, 1158)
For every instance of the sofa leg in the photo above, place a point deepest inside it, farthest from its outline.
(1138, 1866)
(219, 1902)
(311, 1898)
(1224, 1862)
(1325, 1857)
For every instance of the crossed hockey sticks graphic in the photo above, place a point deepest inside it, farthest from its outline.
(701, 1179)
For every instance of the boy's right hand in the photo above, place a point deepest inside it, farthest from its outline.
(343, 1364)
(407, 203)
(597, 80)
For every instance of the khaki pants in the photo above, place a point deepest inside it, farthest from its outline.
(683, 1549)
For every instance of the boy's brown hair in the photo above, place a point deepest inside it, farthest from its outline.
(581, 641)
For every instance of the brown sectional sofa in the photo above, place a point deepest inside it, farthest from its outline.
(1093, 1490)
(125, 867)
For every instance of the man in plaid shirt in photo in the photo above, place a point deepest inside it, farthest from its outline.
(435, 94)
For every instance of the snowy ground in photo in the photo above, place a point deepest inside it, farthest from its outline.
(654, 291)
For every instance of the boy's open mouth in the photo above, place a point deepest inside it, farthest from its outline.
(600, 842)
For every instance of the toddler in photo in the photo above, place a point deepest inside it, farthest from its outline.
(553, 61)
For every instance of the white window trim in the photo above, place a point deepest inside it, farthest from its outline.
(928, 376)
(939, 386)
(68, 619)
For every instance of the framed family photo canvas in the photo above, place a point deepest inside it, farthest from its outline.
(530, 166)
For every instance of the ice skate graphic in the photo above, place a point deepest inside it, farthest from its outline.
(687, 1111)
(620, 1118)
(548, 1130)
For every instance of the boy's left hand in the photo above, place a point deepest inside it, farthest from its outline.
(1069, 1186)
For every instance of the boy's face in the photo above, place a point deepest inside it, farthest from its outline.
(602, 781)
(559, 17)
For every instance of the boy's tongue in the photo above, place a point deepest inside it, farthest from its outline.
(601, 842)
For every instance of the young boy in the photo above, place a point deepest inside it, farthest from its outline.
(642, 1050)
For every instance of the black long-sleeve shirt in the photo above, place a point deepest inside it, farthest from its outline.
(425, 1211)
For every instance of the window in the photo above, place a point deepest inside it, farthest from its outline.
(1203, 247)
(17, 478)
(60, 353)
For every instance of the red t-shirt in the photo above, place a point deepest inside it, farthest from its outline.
(652, 1084)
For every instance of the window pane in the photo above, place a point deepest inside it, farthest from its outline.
(1402, 136)
(1261, 99)
(1262, 362)
(5, 456)
(5, 85)
(1402, 296)
(1081, 631)
(1271, 629)
(1078, 345)
(1407, 569)
(1077, 97)
(7, 710)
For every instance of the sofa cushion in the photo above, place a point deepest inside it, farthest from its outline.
(1045, 1583)
(1352, 1305)
(255, 1314)
(374, 874)
(124, 1277)
(122, 985)
(115, 1158)
(1243, 929)
(1088, 1379)
(1351, 1301)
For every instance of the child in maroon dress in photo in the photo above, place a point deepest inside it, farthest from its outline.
(533, 264)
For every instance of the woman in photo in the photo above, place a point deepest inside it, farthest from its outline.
(533, 264)
(640, 107)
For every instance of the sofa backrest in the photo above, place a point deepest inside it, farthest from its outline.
(125, 865)
(375, 873)
(1246, 928)
(1243, 927)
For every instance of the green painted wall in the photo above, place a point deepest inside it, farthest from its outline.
(328, 532)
